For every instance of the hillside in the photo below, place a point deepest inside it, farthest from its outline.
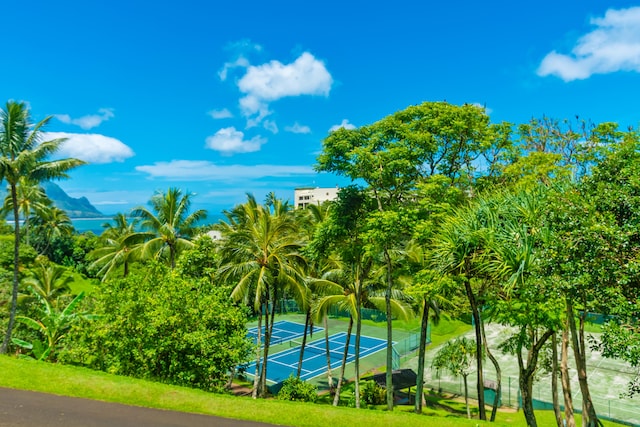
(74, 207)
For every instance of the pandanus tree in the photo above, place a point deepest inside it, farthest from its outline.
(168, 226)
(459, 250)
(456, 357)
(25, 155)
(260, 256)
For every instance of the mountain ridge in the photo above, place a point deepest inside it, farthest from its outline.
(74, 207)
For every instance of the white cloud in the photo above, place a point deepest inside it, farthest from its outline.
(90, 147)
(614, 45)
(200, 170)
(241, 61)
(221, 114)
(89, 121)
(229, 140)
(274, 80)
(270, 126)
(298, 128)
(345, 124)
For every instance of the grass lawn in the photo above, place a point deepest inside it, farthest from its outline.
(81, 382)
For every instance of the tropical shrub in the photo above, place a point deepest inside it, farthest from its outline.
(158, 326)
(295, 389)
(372, 394)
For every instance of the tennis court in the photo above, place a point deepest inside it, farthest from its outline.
(283, 331)
(281, 365)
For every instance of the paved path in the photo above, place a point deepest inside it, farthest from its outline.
(27, 408)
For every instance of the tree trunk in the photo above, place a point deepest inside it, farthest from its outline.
(16, 260)
(357, 346)
(387, 301)
(256, 378)
(526, 387)
(304, 342)
(527, 373)
(479, 346)
(577, 340)
(271, 312)
(326, 343)
(496, 366)
(554, 379)
(422, 348)
(466, 396)
(336, 398)
(566, 381)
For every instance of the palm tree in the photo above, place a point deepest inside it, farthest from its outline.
(118, 243)
(460, 249)
(31, 197)
(48, 280)
(351, 291)
(260, 254)
(168, 226)
(50, 223)
(23, 154)
(456, 357)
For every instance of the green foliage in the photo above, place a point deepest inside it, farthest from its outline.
(372, 394)
(199, 261)
(295, 389)
(156, 325)
(27, 253)
(168, 226)
(455, 357)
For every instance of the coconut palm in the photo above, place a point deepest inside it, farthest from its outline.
(50, 223)
(351, 291)
(260, 254)
(168, 227)
(24, 155)
(118, 242)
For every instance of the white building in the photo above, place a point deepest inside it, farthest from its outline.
(305, 196)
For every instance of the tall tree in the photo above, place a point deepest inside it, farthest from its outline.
(168, 226)
(23, 154)
(260, 254)
(390, 156)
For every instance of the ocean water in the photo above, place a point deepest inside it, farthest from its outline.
(95, 225)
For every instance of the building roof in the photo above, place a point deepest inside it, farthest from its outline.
(401, 379)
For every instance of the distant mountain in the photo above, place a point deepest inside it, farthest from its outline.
(75, 208)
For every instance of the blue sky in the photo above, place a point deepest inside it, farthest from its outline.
(221, 99)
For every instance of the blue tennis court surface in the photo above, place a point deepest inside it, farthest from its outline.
(281, 365)
(283, 331)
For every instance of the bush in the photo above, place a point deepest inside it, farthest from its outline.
(293, 388)
(372, 394)
(158, 326)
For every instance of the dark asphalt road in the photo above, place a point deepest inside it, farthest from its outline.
(27, 408)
